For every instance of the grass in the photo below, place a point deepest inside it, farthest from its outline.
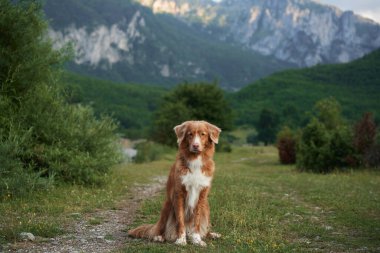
(48, 214)
(257, 205)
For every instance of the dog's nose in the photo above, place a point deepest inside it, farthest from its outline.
(195, 145)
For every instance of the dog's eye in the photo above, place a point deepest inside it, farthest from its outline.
(203, 133)
(190, 134)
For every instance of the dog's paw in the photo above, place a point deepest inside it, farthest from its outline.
(181, 240)
(158, 238)
(197, 240)
(214, 235)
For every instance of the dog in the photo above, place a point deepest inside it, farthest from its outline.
(186, 212)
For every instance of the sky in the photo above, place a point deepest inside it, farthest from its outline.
(366, 8)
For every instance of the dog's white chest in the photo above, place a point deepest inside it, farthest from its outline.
(195, 181)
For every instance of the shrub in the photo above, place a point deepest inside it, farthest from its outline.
(286, 145)
(41, 136)
(313, 152)
(326, 142)
(149, 151)
(321, 150)
(224, 144)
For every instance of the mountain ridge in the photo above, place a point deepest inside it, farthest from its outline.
(302, 32)
(235, 44)
(151, 49)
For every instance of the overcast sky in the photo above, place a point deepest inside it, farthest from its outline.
(366, 8)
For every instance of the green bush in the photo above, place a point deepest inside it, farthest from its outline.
(224, 144)
(43, 138)
(326, 143)
(149, 151)
(313, 152)
(321, 150)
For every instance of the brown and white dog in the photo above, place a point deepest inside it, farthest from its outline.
(186, 210)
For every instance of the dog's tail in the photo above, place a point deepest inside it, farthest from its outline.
(144, 231)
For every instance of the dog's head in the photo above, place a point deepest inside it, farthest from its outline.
(196, 135)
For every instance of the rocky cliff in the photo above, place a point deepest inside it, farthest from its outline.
(234, 41)
(302, 32)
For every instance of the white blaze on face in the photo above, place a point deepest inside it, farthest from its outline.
(197, 140)
(196, 143)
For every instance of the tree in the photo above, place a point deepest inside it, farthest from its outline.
(27, 57)
(199, 101)
(365, 137)
(267, 126)
(42, 137)
(329, 113)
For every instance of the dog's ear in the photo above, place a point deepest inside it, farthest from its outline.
(180, 131)
(214, 132)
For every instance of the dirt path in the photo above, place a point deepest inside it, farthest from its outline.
(99, 231)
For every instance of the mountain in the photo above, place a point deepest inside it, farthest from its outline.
(165, 42)
(356, 85)
(123, 41)
(291, 94)
(301, 32)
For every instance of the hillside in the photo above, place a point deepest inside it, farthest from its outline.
(355, 85)
(126, 42)
(293, 93)
(132, 105)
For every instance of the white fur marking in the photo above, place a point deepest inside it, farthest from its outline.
(197, 140)
(181, 240)
(196, 239)
(158, 238)
(194, 181)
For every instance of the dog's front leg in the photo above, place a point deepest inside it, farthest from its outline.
(180, 217)
(202, 206)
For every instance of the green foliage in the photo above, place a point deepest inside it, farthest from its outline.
(286, 145)
(313, 151)
(354, 85)
(267, 126)
(200, 101)
(325, 143)
(224, 144)
(27, 59)
(131, 105)
(329, 113)
(42, 137)
(149, 151)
